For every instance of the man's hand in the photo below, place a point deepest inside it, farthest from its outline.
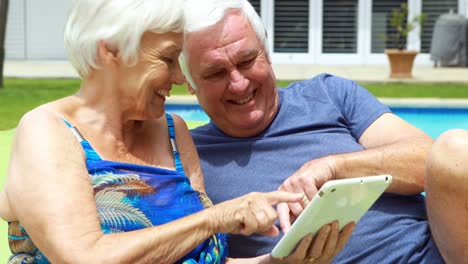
(307, 180)
(322, 248)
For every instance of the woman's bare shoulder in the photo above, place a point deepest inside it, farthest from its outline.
(40, 142)
(46, 119)
(38, 115)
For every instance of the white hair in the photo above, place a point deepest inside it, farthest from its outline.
(201, 14)
(120, 23)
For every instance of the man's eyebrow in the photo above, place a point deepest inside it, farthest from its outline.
(211, 68)
(214, 67)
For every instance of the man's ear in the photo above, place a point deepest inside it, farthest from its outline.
(106, 54)
(268, 57)
(190, 88)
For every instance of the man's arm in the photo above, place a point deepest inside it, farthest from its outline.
(391, 146)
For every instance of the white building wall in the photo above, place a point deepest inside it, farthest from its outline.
(35, 29)
(35, 32)
(464, 5)
(15, 32)
(45, 28)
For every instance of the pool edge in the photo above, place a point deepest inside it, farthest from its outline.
(424, 102)
(390, 102)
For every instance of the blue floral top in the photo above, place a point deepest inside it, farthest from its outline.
(131, 197)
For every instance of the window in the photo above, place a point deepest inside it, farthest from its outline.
(382, 31)
(291, 20)
(340, 26)
(256, 5)
(433, 9)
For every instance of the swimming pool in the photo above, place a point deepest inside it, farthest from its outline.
(433, 121)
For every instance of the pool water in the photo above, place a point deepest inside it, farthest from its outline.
(433, 121)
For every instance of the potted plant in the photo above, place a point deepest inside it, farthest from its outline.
(401, 60)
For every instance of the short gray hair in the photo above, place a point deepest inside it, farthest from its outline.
(201, 14)
(120, 23)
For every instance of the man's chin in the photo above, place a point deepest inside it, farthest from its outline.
(246, 127)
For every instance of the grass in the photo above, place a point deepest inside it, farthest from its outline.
(412, 90)
(418, 90)
(22, 95)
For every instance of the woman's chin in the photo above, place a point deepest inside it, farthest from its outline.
(157, 115)
(150, 115)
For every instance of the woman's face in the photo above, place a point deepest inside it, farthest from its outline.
(145, 85)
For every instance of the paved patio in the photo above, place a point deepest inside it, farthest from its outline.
(373, 73)
(63, 69)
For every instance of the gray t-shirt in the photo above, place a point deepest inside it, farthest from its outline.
(317, 117)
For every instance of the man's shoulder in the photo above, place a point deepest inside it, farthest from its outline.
(322, 85)
(324, 82)
(201, 130)
(207, 134)
(323, 79)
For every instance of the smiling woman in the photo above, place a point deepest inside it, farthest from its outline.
(104, 175)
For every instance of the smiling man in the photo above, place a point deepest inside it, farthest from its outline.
(242, 97)
(262, 138)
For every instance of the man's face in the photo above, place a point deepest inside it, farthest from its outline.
(235, 81)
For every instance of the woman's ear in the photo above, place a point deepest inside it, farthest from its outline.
(106, 54)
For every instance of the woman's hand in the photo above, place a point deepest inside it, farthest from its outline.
(251, 213)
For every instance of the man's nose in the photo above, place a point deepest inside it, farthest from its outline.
(238, 83)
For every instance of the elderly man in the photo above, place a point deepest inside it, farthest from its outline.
(262, 138)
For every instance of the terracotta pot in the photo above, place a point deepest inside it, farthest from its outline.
(401, 62)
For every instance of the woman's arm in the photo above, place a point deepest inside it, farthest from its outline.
(188, 154)
(50, 193)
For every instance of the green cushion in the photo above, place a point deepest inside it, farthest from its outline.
(194, 124)
(5, 144)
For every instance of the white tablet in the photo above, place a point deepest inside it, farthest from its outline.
(343, 200)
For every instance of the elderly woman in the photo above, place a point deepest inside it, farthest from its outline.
(104, 175)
